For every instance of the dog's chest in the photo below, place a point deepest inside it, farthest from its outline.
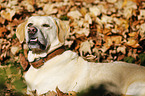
(57, 72)
(47, 79)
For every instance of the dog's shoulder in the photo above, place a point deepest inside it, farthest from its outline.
(70, 54)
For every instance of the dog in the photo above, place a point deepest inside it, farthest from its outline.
(52, 66)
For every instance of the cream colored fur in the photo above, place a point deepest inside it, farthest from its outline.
(70, 72)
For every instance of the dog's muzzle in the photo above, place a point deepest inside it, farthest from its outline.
(32, 31)
(35, 41)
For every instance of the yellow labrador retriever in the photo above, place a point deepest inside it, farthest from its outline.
(52, 66)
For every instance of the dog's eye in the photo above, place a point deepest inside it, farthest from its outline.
(30, 24)
(45, 25)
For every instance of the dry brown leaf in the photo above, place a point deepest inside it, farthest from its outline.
(128, 9)
(132, 53)
(116, 39)
(94, 11)
(15, 50)
(89, 1)
(121, 49)
(96, 51)
(32, 2)
(113, 39)
(60, 93)
(132, 42)
(3, 31)
(2, 20)
(105, 31)
(111, 1)
(106, 19)
(74, 14)
(72, 93)
(86, 47)
(56, 0)
(50, 93)
(88, 18)
(8, 14)
(142, 31)
(133, 34)
(142, 14)
(136, 1)
(0, 7)
(74, 24)
(124, 23)
(77, 0)
(50, 9)
(27, 5)
(81, 31)
(83, 11)
(120, 57)
(25, 47)
(24, 63)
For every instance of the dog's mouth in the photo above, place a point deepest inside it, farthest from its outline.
(33, 41)
(35, 44)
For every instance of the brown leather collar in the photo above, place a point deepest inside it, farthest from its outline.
(38, 63)
(41, 61)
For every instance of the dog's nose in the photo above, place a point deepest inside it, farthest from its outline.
(32, 30)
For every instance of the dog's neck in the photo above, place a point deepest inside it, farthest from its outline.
(32, 55)
(38, 63)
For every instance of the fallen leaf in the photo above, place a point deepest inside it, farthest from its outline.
(142, 14)
(112, 40)
(28, 5)
(111, 1)
(96, 51)
(0, 7)
(24, 63)
(50, 9)
(81, 31)
(128, 9)
(120, 57)
(83, 11)
(60, 93)
(72, 93)
(121, 49)
(133, 34)
(132, 42)
(90, 58)
(89, 1)
(8, 14)
(3, 31)
(88, 18)
(94, 11)
(132, 53)
(2, 20)
(106, 19)
(74, 14)
(112, 52)
(50, 93)
(32, 2)
(86, 47)
(142, 31)
(15, 50)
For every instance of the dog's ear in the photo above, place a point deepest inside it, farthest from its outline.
(20, 32)
(63, 30)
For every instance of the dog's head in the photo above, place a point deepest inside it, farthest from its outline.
(42, 32)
